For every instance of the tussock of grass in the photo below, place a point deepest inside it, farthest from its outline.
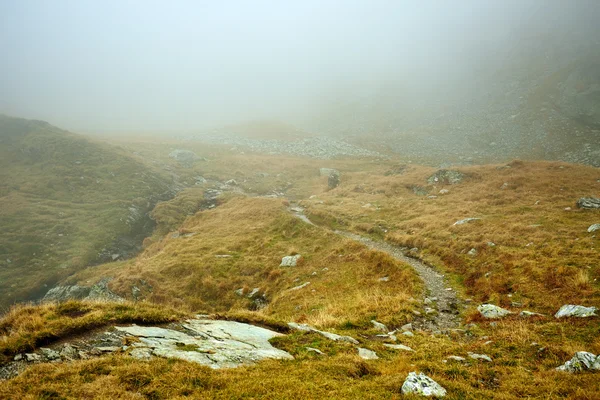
(26, 326)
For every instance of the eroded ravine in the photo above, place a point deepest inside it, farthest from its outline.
(443, 300)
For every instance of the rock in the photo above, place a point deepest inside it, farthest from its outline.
(108, 349)
(290, 261)
(422, 385)
(184, 157)
(331, 336)
(446, 177)
(476, 356)
(216, 344)
(64, 293)
(379, 326)
(594, 228)
(472, 252)
(466, 220)
(32, 357)
(305, 284)
(333, 181)
(491, 311)
(18, 357)
(408, 333)
(313, 350)
(398, 347)
(239, 292)
(69, 352)
(136, 292)
(527, 314)
(588, 202)
(444, 191)
(253, 293)
(581, 361)
(407, 327)
(570, 310)
(101, 292)
(50, 354)
(384, 279)
(141, 353)
(367, 354)
(457, 358)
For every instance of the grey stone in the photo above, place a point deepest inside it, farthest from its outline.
(290, 261)
(491, 311)
(588, 202)
(50, 354)
(18, 357)
(63, 293)
(69, 352)
(398, 347)
(379, 326)
(407, 327)
(472, 252)
(32, 357)
(457, 358)
(594, 228)
(313, 350)
(581, 361)
(141, 353)
(367, 354)
(422, 385)
(483, 357)
(527, 314)
(305, 284)
(570, 310)
(408, 333)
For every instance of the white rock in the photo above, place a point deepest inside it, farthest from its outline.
(367, 354)
(594, 228)
(491, 311)
(526, 313)
(472, 252)
(570, 310)
(423, 385)
(290, 261)
(379, 326)
(398, 347)
(305, 284)
(457, 358)
(476, 356)
(313, 350)
(408, 333)
(581, 361)
(466, 220)
(407, 327)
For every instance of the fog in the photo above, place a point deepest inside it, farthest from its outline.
(150, 66)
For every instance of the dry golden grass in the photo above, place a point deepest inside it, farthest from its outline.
(254, 234)
(543, 256)
(26, 326)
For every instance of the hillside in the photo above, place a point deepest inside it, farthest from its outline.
(66, 202)
(381, 265)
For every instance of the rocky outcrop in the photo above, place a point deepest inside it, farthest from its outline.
(571, 310)
(581, 361)
(290, 261)
(216, 344)
(97, 292)
(422, 385)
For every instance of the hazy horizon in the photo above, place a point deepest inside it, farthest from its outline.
(136, 66)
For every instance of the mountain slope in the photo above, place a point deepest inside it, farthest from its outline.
(66, 202)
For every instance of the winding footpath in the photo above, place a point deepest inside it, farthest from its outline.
(440, 295)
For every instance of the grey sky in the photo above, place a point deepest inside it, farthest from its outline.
(96, 66)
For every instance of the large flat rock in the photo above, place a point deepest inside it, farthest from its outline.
(216, 344)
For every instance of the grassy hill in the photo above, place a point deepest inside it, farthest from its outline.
(66, 202)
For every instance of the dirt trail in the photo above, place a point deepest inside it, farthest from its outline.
(442, 298)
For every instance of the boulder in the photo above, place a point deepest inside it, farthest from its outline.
(64, 293)
(581, 361)
(50, 354)
(446, 177)
(594, 228)
(379, 326)
(367, 354)
(422, 385)
(290, 261)
(491, 311)
(397, 347)
(570, 310)
(588, 202)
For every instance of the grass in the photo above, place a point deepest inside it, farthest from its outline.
(63, 200)
(190, 271)
(27, 326)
